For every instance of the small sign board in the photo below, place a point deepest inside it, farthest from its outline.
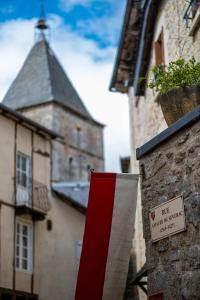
(167, 219)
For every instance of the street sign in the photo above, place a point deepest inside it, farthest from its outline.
(167, 219)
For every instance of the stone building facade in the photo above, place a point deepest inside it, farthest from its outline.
(43, 92)
(154, 31)
(170, 167)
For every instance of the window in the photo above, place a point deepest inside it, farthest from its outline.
(159, 49)
(23, 169)
(78, 137)
(23, 180)
(88, 172)
(23, 254)
(71, 168)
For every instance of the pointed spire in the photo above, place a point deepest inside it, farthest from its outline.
(42, 80)
(41, 27)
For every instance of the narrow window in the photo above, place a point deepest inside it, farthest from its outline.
(22, 169)
(71, 168)
(78, 137)
(23, 252)
(88, 172)
(159, 49)
(23, 179)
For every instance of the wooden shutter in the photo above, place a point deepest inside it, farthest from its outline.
(159, 49)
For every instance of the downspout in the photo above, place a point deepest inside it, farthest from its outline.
(141, 47)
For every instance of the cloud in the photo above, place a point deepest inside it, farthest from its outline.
(88, 66)
(67, 5)
(101, 20)
(106, 28)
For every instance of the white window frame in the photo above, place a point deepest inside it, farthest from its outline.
(19, 169)
(23, 190)
(21, 248)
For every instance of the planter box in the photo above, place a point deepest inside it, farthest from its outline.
(178, 102)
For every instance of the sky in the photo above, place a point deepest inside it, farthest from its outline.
(84, 36)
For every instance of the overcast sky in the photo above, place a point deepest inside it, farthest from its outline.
(84, 36)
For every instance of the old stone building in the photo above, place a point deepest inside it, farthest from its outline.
(49, 143)
(170, 183)
(43, 92)
(154, 32)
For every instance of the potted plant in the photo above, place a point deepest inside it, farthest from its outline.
(179, 87)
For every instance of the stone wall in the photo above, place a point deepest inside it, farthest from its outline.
(173, 168)
(146, 115)
(82, 148)
(146, 119)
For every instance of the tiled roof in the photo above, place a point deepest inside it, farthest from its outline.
(42, 79)
(75, 192)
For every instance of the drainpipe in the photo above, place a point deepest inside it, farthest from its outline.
(141, 46)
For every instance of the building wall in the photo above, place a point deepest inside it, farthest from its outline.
(145, 111)
(171, 170)
(14, 138)
(146, 119)
(82, 147)
(7, 132)
(55, 261)
(56, 264)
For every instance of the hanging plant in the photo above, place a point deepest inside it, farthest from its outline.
(179, 73)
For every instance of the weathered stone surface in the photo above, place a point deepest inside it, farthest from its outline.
(170, 170)
(82, 147)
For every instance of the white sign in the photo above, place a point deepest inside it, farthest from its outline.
(167, 219)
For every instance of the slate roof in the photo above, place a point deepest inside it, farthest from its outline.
(75, 192)
(41, 80)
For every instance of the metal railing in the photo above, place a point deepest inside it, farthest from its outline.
(191, 12)
(33, 194)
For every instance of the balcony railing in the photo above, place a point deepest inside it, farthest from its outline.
(191, 11)
(32, 195)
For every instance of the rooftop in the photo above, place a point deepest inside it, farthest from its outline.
(133, 56)
(42, 80)
(74, 192)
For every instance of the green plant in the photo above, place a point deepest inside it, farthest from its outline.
(179, 73)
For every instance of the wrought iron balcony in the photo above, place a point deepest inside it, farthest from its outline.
(32, 197)
(191, 11)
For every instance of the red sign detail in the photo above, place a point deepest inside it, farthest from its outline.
(153, 215)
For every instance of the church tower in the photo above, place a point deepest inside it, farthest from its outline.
(43, 92)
